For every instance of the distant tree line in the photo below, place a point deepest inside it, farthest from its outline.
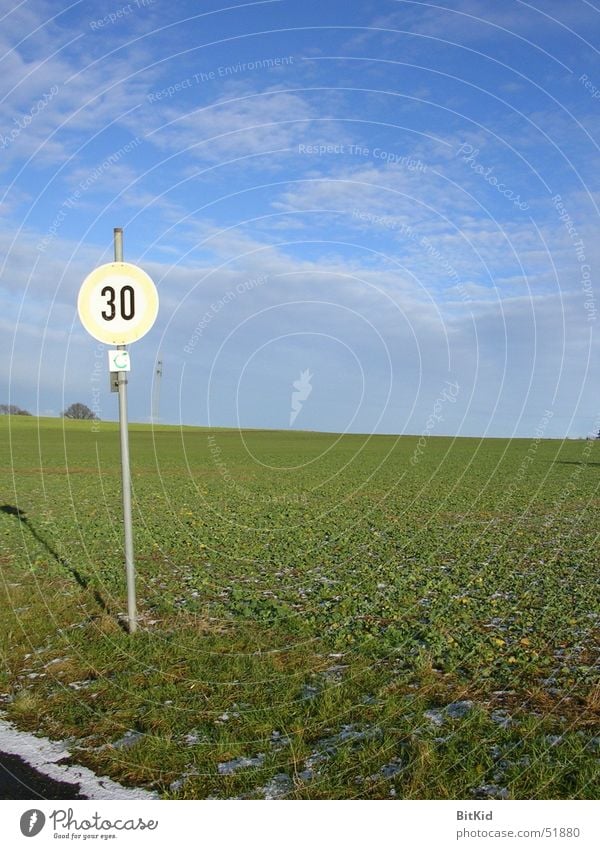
(74, 411)
(12, 410)
(79, 411)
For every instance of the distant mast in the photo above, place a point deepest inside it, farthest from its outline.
(156, 392)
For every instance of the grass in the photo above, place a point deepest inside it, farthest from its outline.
(310, 602)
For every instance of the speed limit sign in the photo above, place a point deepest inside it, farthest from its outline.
(117, 303)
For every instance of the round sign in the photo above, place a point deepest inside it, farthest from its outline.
(117, 303)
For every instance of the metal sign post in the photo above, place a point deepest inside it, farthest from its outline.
(125, 470)
(117, 305)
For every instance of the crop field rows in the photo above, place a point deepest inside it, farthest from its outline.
(320, 616)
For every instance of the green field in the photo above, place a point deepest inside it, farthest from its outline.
(350, 617)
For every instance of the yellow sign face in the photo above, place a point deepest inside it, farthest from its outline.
(117, 303)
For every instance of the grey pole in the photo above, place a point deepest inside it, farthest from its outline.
(125, 470)
(156, 398)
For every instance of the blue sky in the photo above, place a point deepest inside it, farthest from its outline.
(393, 198)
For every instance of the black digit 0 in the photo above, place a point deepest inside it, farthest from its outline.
(109, 293)
(127, 303)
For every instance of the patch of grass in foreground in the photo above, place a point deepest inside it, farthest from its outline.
(310, 603)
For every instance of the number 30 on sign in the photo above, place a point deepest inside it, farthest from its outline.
(117, 303)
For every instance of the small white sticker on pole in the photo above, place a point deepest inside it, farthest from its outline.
(118, 360)
(117, 303)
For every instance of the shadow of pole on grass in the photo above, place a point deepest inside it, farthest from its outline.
(576, 463)
(83, 582)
